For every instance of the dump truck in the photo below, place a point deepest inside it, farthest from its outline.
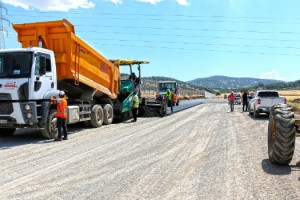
(283, 128)
(53, 58)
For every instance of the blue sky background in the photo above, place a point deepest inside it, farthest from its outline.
(182, 39)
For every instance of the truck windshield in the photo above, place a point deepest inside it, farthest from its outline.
(164, 86)
(15, 64)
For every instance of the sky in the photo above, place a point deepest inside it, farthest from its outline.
(182, 39)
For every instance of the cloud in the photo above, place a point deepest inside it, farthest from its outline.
(116, 1)
(274, 74)
(150, 1)
(183, 2)
(51, 5)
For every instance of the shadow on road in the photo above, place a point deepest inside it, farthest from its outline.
(32, 136)
(269, 168)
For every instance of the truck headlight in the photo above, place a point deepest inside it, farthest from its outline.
(29, 115)
(27, 107)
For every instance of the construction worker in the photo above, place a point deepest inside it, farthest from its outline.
(61, 114)
(135, 105)
(169, 98)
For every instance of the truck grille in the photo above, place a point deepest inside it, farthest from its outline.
(6, 108)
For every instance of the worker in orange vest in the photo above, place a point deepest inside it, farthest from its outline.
(61, 114)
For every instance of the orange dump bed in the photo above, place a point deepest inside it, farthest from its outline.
(76, 61)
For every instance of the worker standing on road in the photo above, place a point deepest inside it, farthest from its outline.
(169, 98)
(245, 101)
(231, 98)
(61, 114)
(135, 105)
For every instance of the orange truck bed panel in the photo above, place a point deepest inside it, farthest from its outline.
(75, 60)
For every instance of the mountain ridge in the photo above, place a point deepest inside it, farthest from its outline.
(219, 82)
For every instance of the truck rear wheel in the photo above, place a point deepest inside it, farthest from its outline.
(97, 116)
(281, 134)
(108, 114)
(50, 131)
(5, 132)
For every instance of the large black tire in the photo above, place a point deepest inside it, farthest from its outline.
(5, 132)
(281, 134)
(108, 114)
(97, 116)
(50, 131)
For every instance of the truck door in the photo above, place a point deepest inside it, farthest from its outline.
(43, 79)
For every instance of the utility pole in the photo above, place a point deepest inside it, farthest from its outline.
(2, 29)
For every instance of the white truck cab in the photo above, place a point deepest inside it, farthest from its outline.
(27, 81)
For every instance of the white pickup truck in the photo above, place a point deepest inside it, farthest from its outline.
(263, 100)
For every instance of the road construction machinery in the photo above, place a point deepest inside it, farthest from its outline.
(163, 86)
(129, 84)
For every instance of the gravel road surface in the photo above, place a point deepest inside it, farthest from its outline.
(204, 152)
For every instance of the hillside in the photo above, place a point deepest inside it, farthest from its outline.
(230, 83)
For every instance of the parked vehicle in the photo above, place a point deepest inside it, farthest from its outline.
(237, 99)
(263, 100)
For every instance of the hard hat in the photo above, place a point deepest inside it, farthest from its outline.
(61, 93)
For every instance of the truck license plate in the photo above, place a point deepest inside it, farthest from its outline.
(3, 121)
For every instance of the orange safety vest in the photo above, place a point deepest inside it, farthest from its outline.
(62, 108)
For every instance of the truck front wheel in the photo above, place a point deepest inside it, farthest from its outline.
(97, 116)
(50, 131)
(4, 132)
(281, 134)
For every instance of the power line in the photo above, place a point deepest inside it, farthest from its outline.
(201, 43)
(191, 29)
(159, 15)
(170, 20)
(211, 50)
(192, 36)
